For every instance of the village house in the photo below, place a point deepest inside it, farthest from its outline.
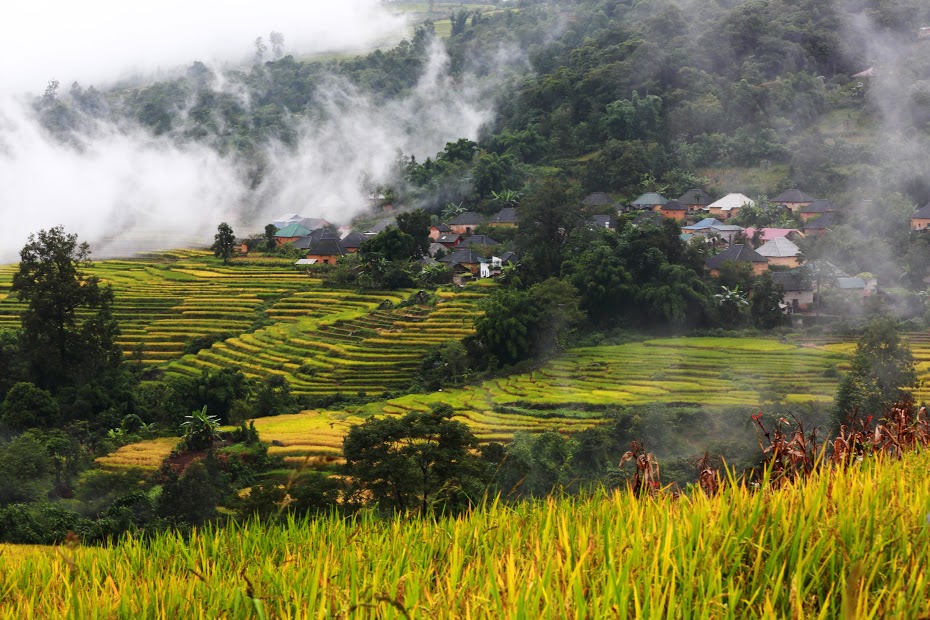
(465, 223)
(602, 221)
(506, 218)
(312, 223)
(438, 230)
(821, 225)
(436, 248)
(729, 205)
(326, 250)
(648, 202)
(712, 228)
(380, 227)
(793, 200)
(478, 240)
(920, 220)
(674, 210)
(353, 241)
(781, 251)
(816, 209)
(695, 199)
(737, 253)
(600, 199)
(449, 240)
(798, 296)
(290, 233)
(768, 234)
(649, 217)
(463, 260)
(287, 219)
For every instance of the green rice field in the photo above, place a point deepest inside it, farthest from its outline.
(271, 320)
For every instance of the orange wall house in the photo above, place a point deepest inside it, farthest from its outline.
(921, 218)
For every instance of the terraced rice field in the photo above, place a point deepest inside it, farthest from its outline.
(578, 390)
(323, 341)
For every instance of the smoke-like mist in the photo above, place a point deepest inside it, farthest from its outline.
(100, 41)
(124, 190)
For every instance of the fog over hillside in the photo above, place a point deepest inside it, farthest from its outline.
(121, 187)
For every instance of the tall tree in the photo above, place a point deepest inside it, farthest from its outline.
(422, 462)
(416, 224)
(881, 370)
(68, 327)
(223, 242)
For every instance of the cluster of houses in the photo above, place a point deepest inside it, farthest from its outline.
(763, 248)
(454, 243)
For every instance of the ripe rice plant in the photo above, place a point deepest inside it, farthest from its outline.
(848, 544)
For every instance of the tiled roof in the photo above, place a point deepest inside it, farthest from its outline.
(737, 253)
(792, 195)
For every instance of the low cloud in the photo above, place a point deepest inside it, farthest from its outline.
(98, 41)
(124, 190)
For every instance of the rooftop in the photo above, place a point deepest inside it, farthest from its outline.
(738, 253)
(779, 248)
(732, 201)
(792, 195)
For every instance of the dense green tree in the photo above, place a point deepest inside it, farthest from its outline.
(881, 370)
(422, 462)
(224, 242)
(546, 224)
(27, 406)
(392, 244)
(416, 224)
(766, 301)
(273, 397)
(68, 328)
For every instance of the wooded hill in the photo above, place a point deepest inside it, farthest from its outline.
(607, 91)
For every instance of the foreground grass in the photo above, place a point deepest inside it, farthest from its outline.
(849, 545)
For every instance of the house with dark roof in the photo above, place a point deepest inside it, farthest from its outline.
(737, 253)
(314, 222)
(381, 226)
(816, 209)
(599, 199)
(326, 250)
(449, 240)
(602, 221)
(798, 291)
(695, 199)
(506, 217)
(474, 241)
(821, 225)
(465, 223)
(649, 218)
(463, 260)
(793, 199)
(920, 220)
(290, 233)
(674, 210)
(650, 201)
(353, 241)
(438, 230)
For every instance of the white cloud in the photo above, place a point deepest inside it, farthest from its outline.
(94, 41)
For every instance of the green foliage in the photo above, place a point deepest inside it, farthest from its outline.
(881, 370)
(27, 406)
(60, 344)
(766, 299)
(415, 224)
(423, 462)
(200, 431)
(224, 242)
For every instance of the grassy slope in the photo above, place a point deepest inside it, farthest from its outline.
(853, 545)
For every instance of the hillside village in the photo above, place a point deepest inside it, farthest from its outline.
(471, 245)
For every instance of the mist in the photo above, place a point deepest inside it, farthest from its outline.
(97, 41)
(125, 190)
